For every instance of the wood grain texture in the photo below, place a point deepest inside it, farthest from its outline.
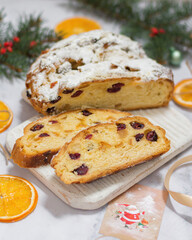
(95, 194)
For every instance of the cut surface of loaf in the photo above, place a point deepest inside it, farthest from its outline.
(97, 69)
(44, 137)
(109, 147)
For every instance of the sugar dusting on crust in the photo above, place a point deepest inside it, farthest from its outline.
(96, 55)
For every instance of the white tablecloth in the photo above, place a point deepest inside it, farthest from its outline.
(53, 219)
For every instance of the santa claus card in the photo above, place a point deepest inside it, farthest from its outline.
(135, 215)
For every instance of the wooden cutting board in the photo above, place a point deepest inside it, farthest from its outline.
(96, 194)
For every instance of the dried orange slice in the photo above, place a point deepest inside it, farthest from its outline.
(18, 198)
(6, 116)
(182, 94)
(76, 25)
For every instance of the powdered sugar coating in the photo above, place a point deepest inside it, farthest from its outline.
(95, 55)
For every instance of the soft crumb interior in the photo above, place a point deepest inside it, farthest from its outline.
(133, 95)
(66, 127)
(108, 150)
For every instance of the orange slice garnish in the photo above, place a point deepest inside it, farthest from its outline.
(182, 94)
(76, 25)
(18, 198)
(6, 116)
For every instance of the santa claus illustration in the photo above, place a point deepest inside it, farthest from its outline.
(131, 214)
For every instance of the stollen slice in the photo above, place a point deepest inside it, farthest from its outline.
(44, 137)
(109, 147)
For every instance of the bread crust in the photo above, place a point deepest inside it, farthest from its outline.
(30, 161)
(55, 163)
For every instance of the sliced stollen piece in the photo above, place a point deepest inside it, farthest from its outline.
(97, 69)
(109, 147)
(44, 137)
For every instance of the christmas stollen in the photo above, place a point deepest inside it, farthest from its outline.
(44, 137)
(97, 69)
(109, 147)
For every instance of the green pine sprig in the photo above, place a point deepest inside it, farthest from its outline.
(137, 18)
(32, 39)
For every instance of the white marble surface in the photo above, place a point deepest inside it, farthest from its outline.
(52, 218)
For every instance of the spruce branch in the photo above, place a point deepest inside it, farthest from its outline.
(21, 45)
(137, 18)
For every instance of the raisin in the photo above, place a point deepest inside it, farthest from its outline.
(36, 127)
(89, 136)
(152, 136)
(86, 113)
(137, 125)
(55, 100)
(53, 121)
(67, 91)
(28, 94)
(51, 110)
(74, 156)
(139, 136)
(82, 170)
(120, 126)
(115, 87)
(76, 94)
(44, 135)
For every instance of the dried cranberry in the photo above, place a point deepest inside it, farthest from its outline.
(28, 94)
(120, 126)
(36, 127)
(56, 100)
(152, 136)
(139, 136)
(82, 170)
(44, 135)
(74, 156)
(76, 94)
(86, 113)
(115, 87)
(137, 125)
(51, 110)
(89, 136)
(67, 91)
(53, 121)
